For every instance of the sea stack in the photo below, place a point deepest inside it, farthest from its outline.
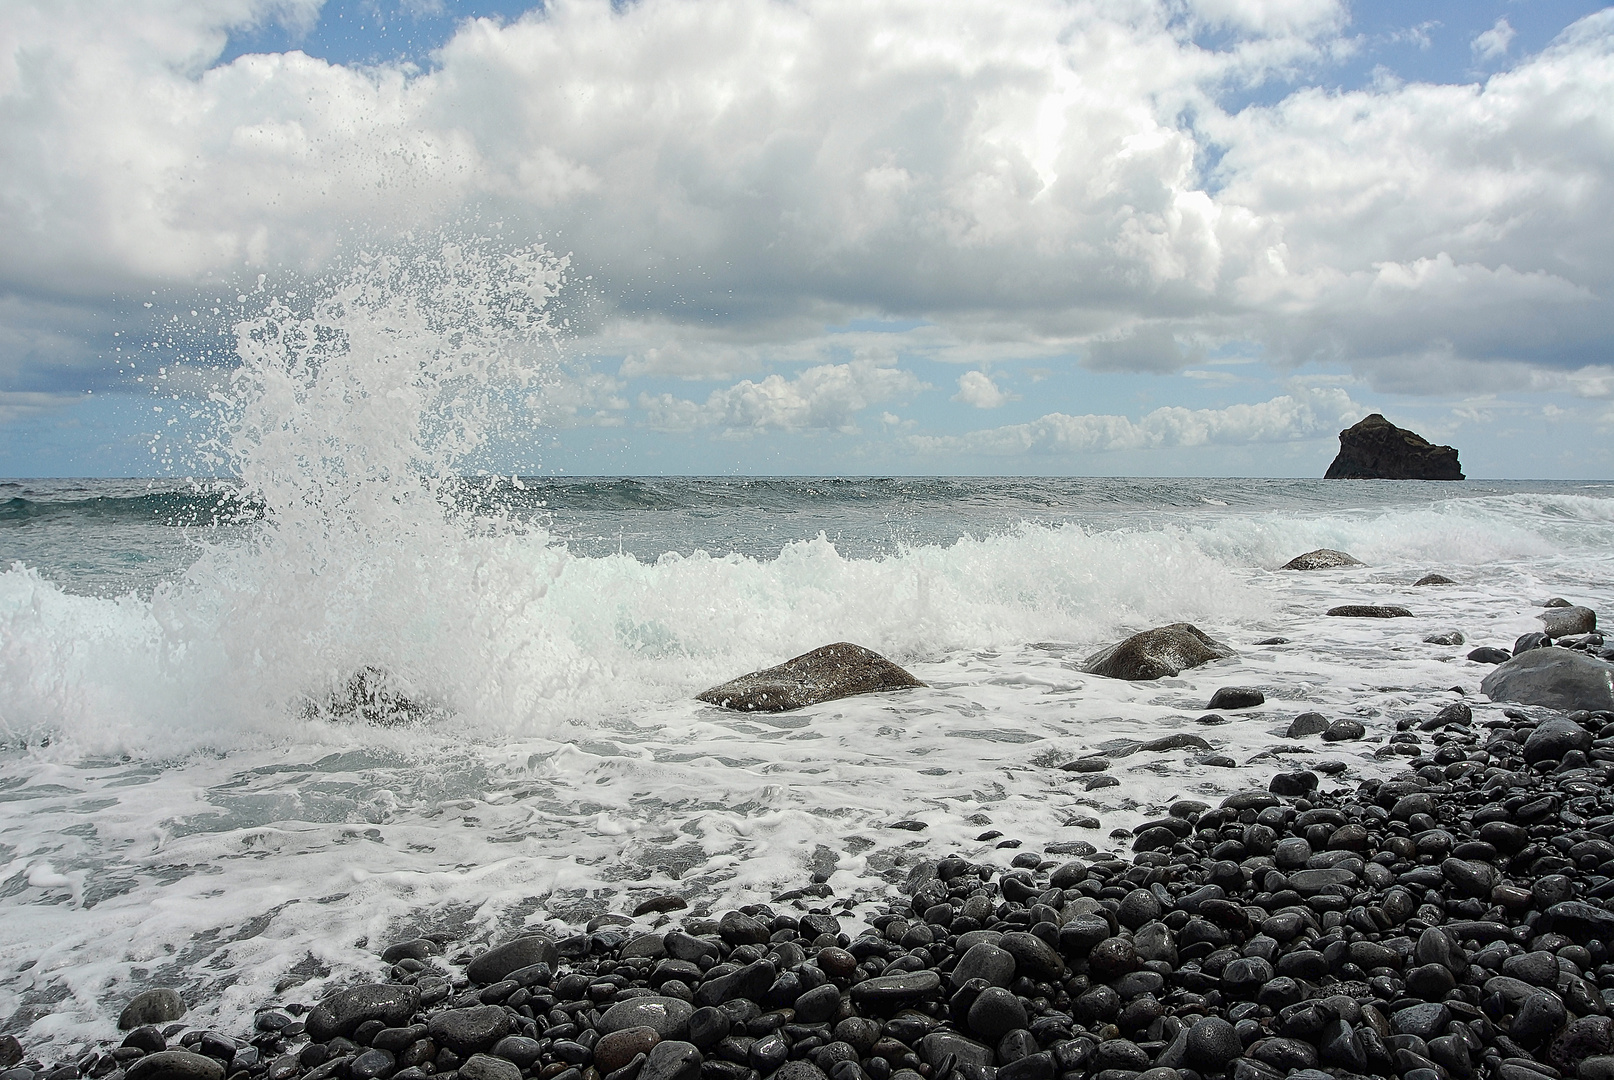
(1375, 449)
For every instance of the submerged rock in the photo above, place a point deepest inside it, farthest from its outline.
(825, 674)
(1434, 579)
(371, 695)
(1157, 653)
(1375, 449)
(1322, 559)
(1370, 611)
(1555, 678)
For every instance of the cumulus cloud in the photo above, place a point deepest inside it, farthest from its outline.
(742, 173)
(1301, 414)
(977, 388)
(1494, 42)
(825, 397)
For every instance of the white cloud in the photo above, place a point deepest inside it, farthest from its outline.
(1302, 414)
(1494, 42)
(1026, 180)
(825, 397)
(977, 388)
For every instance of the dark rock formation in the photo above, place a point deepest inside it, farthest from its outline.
(1157, 653)
(1322, 559)
(1375, 449)
(1554, 678)
(833, 671)
(1370, 611)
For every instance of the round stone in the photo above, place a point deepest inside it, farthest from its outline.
(619, 1047)
(159, 1005)
(995, 1013)
(176, 1065)
(466, 1031)
(487, 1067)
(668, 1017)
(1212, 1043)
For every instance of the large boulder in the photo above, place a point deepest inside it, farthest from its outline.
(1157, 653)
(1322, 559)
(1554, 678)
(833, 671)
(1375, 449)
(1568, 621)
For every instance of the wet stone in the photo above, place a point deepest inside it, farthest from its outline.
(499, 961)
(465, 1031)
(175, 1065)
(159, 1005)
(891, 990)
(1236, 697)
(984, 961)
(487, 1067)
(668, 1017)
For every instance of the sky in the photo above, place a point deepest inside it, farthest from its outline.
(1093, 237)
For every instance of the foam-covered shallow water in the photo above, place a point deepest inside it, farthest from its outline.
(185, 799)
(168, 815)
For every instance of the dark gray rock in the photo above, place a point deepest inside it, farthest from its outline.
(1212, 1044)
(995, 1013)
(391, 1003)
(1157, 653)
(175, 1065)
(372, 1064)
(1236, 697)
(1344, 730)
(1525, 642)
(1322, 559)
(1566, 621)
(1370, 611)
(1555, 737)
(1425, 1021)
(483, 1067)
(1033, 957)
(1555, 678)
(888, 991)
(519, 1049)
(1307, 723)
(825, 674)
(672, 1059)
(668, 1017)
(1445, 637)
(1375, 449)
(1435, 579)
(938, 1044)
(466, 1031)
(1489, 655)
(413, 949)
(159, 1005)
(499, 961)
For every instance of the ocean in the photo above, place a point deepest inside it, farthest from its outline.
(190, 795)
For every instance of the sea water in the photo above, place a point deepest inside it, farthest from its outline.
(187, 797)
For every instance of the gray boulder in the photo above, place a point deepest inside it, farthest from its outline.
(1564, 621)
(1322, 559)
(159, 1005)
(825, 674)
(175, 1065)
(1157, 653)
(501, 960)
(344, 1010)
(1554, 678)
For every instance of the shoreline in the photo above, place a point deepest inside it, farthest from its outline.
(1406, 924)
